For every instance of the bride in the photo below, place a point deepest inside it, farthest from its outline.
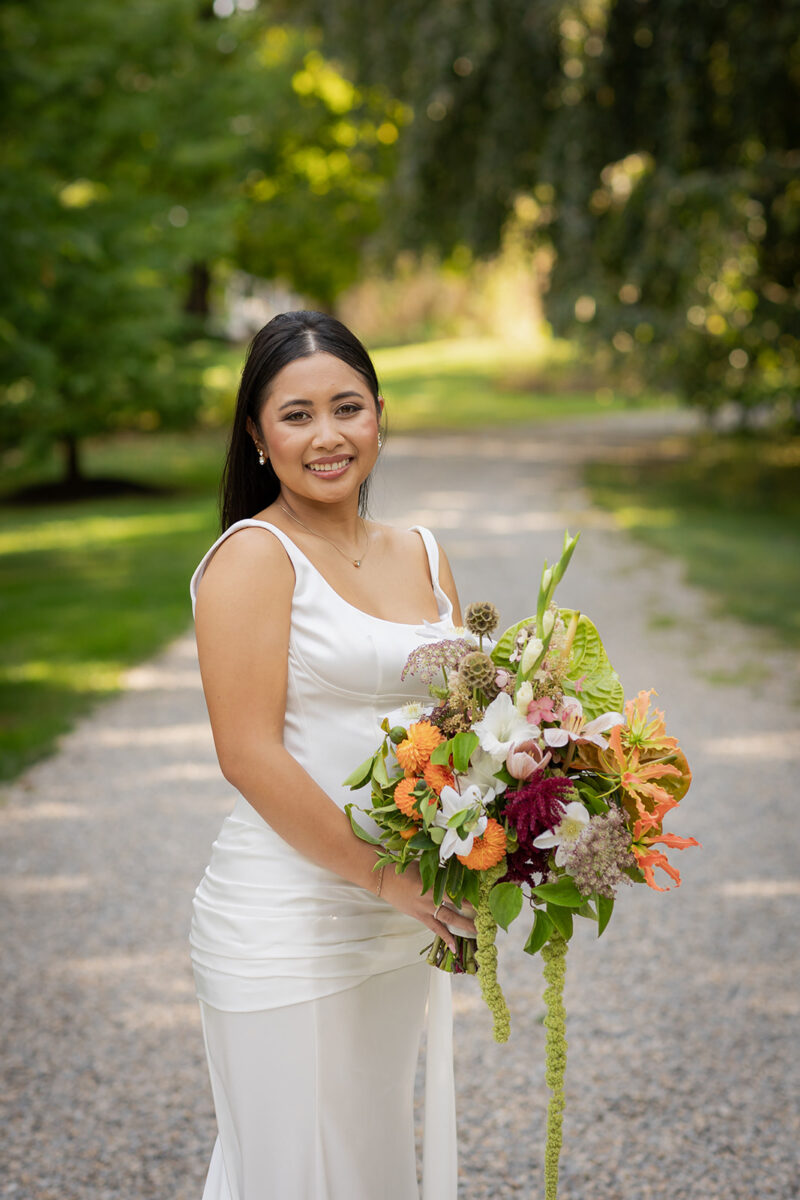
(309, 964)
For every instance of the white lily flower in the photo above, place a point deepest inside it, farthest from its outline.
(566, 832)
(453, 804)
(481, 773)
(575, 728)
(501, 727)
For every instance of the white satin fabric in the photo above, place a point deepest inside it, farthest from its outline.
(282, 948)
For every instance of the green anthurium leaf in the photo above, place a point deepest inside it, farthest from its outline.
(540, 933)
(505, 644)
(463, 746)
(605, 907)
(600, 691)
(357, 830)
(562, 893)
(505, 903)
(356, 779)
(562, 919)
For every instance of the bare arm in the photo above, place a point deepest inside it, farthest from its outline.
(243, 616)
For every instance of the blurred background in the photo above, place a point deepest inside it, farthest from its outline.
(529, 211)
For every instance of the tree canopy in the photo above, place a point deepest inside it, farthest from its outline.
(653, 146)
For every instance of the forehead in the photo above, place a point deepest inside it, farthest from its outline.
(316, 377)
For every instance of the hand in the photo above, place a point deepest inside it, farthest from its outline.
(404, 892)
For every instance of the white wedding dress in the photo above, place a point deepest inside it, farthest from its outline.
(312, 990)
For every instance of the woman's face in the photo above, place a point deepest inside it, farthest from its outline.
(319, 428)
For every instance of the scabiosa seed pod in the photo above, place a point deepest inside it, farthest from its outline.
(481, 617)
(477, 670)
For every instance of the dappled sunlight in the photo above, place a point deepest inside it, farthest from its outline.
(181, 772)
(760, 889)
(776, 745)
(42, 885)
(161, 1016)
(80, 532)
(48, 810)
(456, 355)
(194, 734)
(79, 675)
(151, 677)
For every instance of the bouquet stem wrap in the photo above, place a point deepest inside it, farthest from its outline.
(486, 954)
(554, 955)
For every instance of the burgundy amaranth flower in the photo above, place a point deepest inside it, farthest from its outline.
(428, 660)
(535, 808)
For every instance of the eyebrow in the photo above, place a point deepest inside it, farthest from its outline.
(301, 400)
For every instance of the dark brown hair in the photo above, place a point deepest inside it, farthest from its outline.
(247, 487)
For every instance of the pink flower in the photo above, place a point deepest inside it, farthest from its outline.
(541, 710)
(575, 727)
(525, 758)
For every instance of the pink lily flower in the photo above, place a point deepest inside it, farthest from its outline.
(541, 710)
(575, 728)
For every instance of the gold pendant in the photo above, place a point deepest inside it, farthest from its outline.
(356, 562)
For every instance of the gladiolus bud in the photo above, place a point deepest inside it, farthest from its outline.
(530, 654)
(524, 697)
(548, 621)
(547, 578)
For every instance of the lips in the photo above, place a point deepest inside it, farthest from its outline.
(332, 467)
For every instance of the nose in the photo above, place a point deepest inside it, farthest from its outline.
(327, 434)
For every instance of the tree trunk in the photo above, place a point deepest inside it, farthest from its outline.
(72, 461)
(197, 298)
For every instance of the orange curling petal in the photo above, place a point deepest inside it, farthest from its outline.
(488, 849)
(415, 751)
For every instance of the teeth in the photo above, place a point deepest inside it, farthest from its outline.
(337, 466)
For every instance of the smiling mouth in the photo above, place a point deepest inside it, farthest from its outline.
(328, 468)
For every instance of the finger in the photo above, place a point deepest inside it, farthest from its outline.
(456, 922)
(444, 933)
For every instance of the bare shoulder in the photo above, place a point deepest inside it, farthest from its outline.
(250, 562)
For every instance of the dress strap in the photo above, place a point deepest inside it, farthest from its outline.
(432, 550)
(291, 549)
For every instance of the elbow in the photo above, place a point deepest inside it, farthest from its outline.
(242, 765)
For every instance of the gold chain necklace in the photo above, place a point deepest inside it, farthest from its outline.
(355, 561)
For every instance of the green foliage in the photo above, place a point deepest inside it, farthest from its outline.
(600, 688)
(505, 903)
(142, 147)
(652, 147)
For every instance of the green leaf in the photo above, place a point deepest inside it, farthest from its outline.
(540, 933)
(357, 830)
(505, 903)
(428, 864)
(605, 907)
(505, 644)
(436, 834)
(356, 779)
(420, 841)
(563, 893)
(463, 746)
(471, 887)
(601, 690)
(562, 919)
(438, 885)
(379, 771)
(442, 752)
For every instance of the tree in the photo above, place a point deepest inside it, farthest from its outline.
(653, 146)
(144, 146)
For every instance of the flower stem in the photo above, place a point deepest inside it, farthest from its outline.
(486, 954)
(554, 955)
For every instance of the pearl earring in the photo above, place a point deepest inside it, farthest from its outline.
(380, 441)
(261, 459)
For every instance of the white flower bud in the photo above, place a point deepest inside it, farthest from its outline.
(547, 622)
(524, 697)
(531, 653)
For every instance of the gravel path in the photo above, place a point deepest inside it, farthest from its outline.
(683, 1077)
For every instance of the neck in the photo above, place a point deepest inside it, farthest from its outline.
(340, 519)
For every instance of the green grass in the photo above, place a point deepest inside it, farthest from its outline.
(91, 588)
(86, 591)
(730, 509)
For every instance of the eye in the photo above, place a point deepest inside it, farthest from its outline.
(297, 413)
(349, 408)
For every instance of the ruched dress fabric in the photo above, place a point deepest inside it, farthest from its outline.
(313, 990)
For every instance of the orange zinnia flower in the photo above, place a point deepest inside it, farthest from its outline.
(405, 799)
(488, 849)
(438, 776)
(415, 751)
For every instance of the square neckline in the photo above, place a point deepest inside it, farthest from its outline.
(355, 608)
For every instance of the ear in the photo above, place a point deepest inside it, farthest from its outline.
(252, 430)
(381, 403)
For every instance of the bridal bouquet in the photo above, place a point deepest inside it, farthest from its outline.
(526, 778)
